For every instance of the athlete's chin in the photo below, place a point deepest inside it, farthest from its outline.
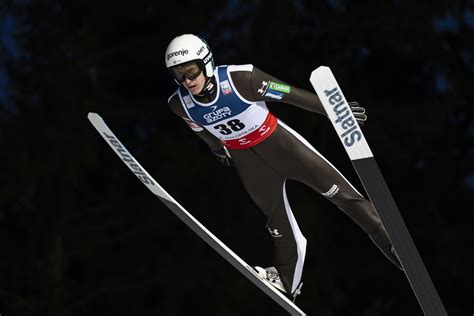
(194, 89)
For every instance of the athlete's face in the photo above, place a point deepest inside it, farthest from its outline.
(195, 85)
(190, 75)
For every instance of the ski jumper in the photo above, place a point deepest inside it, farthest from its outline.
(267, 152)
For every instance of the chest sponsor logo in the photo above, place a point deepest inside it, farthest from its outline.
(349, 130)
(225, 87)
(188, 102)
(217, 114)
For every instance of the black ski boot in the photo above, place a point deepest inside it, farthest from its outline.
(380, 238)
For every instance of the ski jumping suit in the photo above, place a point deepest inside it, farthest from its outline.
(267, 152)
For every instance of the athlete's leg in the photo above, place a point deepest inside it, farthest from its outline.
(267, 189)
(298, 160)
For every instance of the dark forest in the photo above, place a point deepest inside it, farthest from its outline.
(80, 235)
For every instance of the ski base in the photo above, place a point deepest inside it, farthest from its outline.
(188, 219)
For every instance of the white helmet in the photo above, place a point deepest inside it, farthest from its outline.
(189, 47)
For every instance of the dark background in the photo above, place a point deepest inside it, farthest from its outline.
(80, 235)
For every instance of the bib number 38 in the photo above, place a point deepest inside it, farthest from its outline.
(229, 127)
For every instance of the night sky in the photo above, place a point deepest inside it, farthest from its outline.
(80, 235)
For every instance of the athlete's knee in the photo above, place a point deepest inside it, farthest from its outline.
(289, 248)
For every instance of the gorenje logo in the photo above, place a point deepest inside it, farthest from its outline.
(128, 159)
(181, 52)
(217, 115)
(344, 115)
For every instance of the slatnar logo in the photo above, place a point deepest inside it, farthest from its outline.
(123, 153)
(345, 117)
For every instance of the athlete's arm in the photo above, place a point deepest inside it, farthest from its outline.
(213, 142)
(256, 85)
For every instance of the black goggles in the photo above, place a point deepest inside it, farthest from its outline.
(190, 70)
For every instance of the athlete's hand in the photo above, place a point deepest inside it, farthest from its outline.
(223, 156)
(359, 112)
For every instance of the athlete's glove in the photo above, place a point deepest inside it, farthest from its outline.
(359, 112)
(223, 156)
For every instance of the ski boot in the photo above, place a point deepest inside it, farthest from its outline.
(380, 238)
(273, 277)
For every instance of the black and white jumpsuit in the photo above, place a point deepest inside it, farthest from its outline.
(267, 152)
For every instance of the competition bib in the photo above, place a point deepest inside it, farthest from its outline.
(238, 123)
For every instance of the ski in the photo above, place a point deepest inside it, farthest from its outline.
(356, 146)
(188, 219)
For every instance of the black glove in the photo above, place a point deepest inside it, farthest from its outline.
(223, 156)
(359, 112)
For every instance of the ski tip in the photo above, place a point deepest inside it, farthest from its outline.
(319, 70)
(93, 116)
(322, 67)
